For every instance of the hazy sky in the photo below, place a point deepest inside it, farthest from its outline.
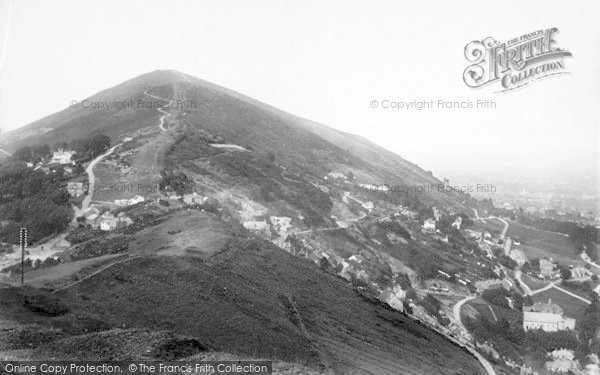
(326, 61)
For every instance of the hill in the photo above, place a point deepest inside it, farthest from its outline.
(245, 296)
(299, 144)
(262, 266)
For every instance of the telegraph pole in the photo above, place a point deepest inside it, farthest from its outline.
(23, 234)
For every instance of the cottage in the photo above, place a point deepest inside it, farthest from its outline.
(193, 199)
(109, 222)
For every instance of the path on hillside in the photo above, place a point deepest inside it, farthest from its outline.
(587, 259)
(456, 311)
(5, 152)
(185, 77)
(525, 287)
(92, 181)
(42, 277)
(506, 225)
(99, 270)
(161, 122)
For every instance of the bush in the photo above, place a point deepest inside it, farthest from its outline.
(45, 305)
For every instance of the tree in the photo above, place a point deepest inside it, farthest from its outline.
(565, 272)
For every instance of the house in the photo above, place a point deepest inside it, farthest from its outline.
(457, 223)
(563, 366)
(374, 187)
(548, 317)
(335, 175)
(429, 225)
(75, 189)
(563, 362)
(62, 157)
(129, 202)
(580, 272)
(474, 234)
(110, 222)
(597, 290)
(518, 256)
(195, 198)
(392, 300)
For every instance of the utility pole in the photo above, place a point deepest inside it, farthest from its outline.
(23, 234)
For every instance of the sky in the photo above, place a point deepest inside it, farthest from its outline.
(328, 61)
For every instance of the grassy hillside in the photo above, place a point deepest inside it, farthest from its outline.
(244, 296)
(302, 146)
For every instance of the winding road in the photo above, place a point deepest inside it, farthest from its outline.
(161, 123)
(456, 312)
(92, 181)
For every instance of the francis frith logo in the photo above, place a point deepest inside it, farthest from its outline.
(515, 63)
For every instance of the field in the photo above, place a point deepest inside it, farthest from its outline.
(533, 283)
(572, 307)
(63, 273)
(145, 163)
(536, 243)
(484, 309)
(494, 226)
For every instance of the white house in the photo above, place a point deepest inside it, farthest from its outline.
(109, 222)
(548, 317)
(429, 225)
(335, 175)
(62, 157)
(129, 202)
(194, 198)
(392, 300)
(457, 223)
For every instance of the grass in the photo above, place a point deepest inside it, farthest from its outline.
(230, 300)
(572, 307)
(533, 283)
(536, 243)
